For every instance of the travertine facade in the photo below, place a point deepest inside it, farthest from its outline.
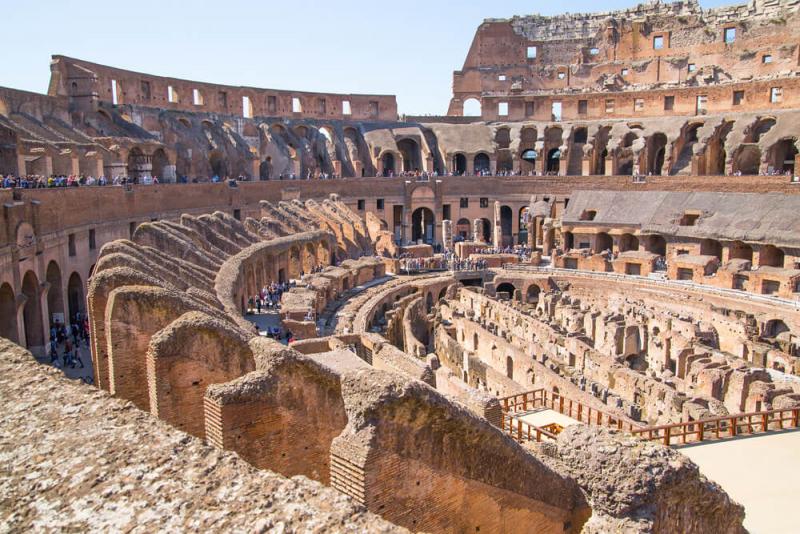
(628, 258)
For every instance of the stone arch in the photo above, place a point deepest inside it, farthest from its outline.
(323, 253)
(218, 164)
(553, 160)
(138, 163)
(481, 163)
(758, 129)
(527, 152)
(505, 287)
(771, 256)
(160, 163)
(471, 108)
(411, 154)
(8, 313)
(294, 262)
(782, 154)
(55, 291)
(459, 164)
(309, 257)
(423, 224)
(75, 296)
(32, 311)
(656, 153)
(532, 294)
(747, 160)
(388, 163)
(774, 327)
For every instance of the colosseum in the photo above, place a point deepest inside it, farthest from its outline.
(569, 305)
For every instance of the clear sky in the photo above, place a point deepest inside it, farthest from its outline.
(406, 47)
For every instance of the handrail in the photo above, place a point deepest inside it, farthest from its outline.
(581, 412)
(521, 431)
(722, 427)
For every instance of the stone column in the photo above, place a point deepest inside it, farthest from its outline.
(477, 230)
(497, 231)
(547, 240)
(531, 233)
(447, 234)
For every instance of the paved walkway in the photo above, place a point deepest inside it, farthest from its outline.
(761, 472)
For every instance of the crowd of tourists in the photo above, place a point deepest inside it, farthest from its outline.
(42, 182)
(70, 338)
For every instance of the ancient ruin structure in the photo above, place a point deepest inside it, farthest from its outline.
(499, 323)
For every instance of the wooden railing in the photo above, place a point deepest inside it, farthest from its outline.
(716, 428)
(521, 431)
(584, 413)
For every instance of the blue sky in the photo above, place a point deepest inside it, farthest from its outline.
(406, 47)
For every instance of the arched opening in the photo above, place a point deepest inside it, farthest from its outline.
(428, 302)
(741, 251)
(532, 295)
(486, 229)
(510, 367)
(528, 158)
(774, 327)
(323, 254)
(32, 312)
(503, 138)
(761, 127)
(294, 263)
(481, 163)
(159, 163)
(463, 228)
(505, 291)
(569, 240)
(747, 160)
(657, 245)
(580, 136)
(422, 223)
(471, 108)
(770, 256)
(459, 164)
(8, 313)
(387, 162)
(218, 164)
(628, 242)
(603, 242)
(309, 258)
(55, 298)
(657, 153)
(409, 149)
(506, 225)
(711, 247)
(522, 238)
(77, 304)
(782, 156)
(138, 164)
(553, 160)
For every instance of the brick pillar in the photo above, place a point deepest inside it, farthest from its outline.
(477, 230)
(447, 234)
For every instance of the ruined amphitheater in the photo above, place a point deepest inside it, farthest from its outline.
(572, 304)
